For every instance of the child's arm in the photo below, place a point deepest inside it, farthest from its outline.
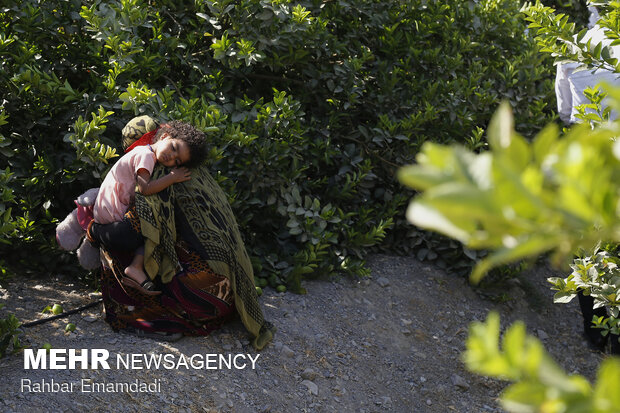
(148, 187)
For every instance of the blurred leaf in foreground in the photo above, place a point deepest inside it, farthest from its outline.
(521, 198)
(539, 384)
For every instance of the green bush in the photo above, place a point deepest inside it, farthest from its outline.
(310, 109)
(521, 199)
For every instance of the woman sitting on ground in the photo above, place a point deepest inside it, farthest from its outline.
(193, 251)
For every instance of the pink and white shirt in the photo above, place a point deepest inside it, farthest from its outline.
(119, 186)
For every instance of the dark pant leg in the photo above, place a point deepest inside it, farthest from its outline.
(117, 236)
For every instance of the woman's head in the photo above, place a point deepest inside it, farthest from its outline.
(179, 144)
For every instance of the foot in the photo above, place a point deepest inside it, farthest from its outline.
(136, 273)
(136, 278)
(147, 287)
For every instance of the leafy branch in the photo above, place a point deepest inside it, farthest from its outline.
(85, 140)
(9, 335)
(519, 199)
(540, 385)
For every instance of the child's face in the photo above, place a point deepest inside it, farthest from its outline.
(171, 152)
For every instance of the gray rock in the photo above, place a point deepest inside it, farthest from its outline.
(541, 334)
(383, 282)
(312, 387)
(459, 382)
(309, 374)
(287, 352)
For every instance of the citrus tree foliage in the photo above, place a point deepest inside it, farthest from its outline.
(310, 107)
(522, 199)
(558, 34)
(539, 384)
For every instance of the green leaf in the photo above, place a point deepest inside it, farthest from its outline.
(513, 346)
(606, 397)
(563, 297)
(501, 128)
(532, 246)
(461, 202)
(421, 177)
(544, 141)
(426, 216)
(524, 396)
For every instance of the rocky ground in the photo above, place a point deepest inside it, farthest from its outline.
(390, 343)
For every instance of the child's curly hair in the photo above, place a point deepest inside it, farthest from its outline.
(195, 139)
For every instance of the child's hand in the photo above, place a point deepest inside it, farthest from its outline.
(181, 174)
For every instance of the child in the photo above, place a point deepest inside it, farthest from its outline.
(176, 145)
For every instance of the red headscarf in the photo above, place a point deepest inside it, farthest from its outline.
(146, 139)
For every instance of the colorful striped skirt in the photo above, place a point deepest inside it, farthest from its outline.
(196, 302)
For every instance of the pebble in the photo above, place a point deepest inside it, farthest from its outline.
(309, 374)
(460, 382)
(541, 334)
(385, 400)
(312, 387)
(383, 282)
(287, 352)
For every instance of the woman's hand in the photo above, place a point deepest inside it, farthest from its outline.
(181, 174)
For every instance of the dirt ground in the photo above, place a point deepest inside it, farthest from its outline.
(389, 343)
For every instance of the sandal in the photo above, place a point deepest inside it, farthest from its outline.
(147, 287)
